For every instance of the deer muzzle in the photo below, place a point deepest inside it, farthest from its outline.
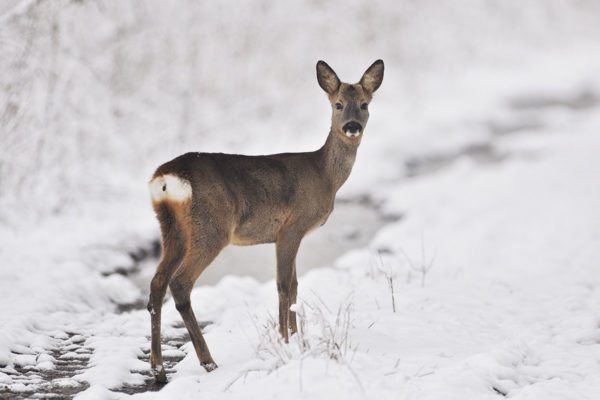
(352, 129)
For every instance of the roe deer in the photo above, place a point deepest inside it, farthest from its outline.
(205, 201)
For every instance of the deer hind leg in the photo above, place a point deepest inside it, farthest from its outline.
(173, 252)
(181, 286)
(287, 247)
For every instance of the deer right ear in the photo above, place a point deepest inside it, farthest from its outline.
(328, 80)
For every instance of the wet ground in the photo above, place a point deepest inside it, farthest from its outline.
(172, 353)
(70, 357)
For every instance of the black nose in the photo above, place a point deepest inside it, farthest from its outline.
(352, 127)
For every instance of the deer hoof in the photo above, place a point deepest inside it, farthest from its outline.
(210, 366)
(160, 375)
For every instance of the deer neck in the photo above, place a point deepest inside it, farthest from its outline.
(337, 157)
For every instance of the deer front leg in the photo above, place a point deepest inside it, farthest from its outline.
(287, 247)
(293, 298)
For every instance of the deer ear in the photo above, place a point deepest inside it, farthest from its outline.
(328, 80)
(373, 76)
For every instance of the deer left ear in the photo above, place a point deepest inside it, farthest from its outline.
(373, 76)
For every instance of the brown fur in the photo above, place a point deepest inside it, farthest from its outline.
(246, 200)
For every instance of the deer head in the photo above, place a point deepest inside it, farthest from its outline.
(349, 102)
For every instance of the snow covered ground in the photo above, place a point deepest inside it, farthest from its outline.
(488, 287)
(484, 281)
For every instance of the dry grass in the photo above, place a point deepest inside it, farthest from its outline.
(321, 332)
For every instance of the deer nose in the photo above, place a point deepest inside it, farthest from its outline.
(352, 127)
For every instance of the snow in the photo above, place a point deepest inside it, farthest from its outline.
(509, 306)
(480, 155)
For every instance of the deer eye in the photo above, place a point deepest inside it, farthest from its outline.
(364, 106)
(339, 106)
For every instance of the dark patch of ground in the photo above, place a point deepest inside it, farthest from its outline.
(29, 382)
(483, 153)
(172, 342)
(582, 100)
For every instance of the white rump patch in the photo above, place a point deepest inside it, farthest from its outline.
(170, 187)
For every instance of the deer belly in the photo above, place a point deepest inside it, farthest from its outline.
(320, 222)
(256, 230)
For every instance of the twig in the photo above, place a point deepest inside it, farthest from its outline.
(390, 279)
(424, 267)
